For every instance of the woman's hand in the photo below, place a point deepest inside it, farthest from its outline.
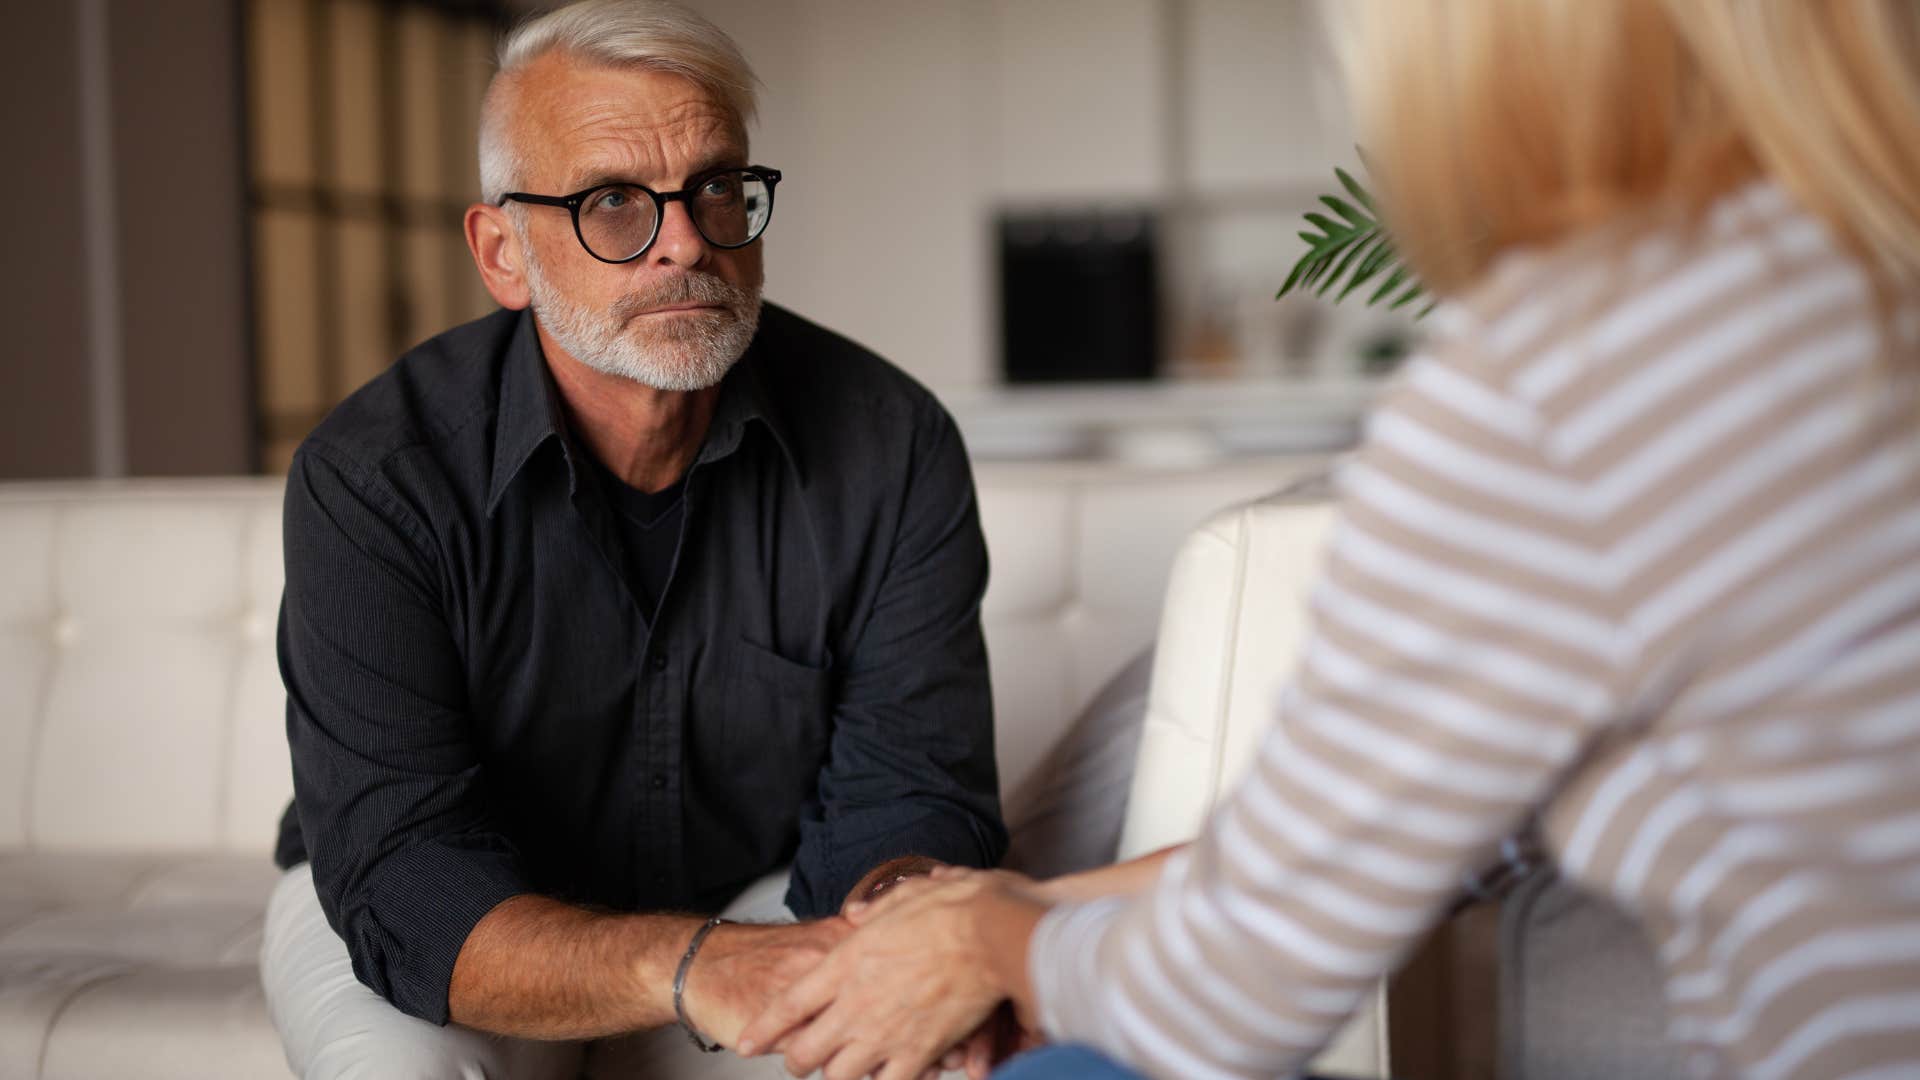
(862, 912)
(931, 962)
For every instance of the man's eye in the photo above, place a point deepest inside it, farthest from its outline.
(608, 200)
(720, 187)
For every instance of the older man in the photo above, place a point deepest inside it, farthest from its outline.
(607, 605)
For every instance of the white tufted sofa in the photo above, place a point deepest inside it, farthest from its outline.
(143, 764)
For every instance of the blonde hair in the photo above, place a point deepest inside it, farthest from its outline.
(651, 35)
(1503, 123)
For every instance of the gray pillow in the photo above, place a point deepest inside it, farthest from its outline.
(1067, 815)
(1580, 989)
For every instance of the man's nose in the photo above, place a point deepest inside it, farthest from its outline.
(679, 242)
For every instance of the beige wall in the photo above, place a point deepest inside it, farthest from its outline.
(44, 411)
(182, 254)
(128, 351)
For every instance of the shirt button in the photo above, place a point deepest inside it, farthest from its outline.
(659, 781)
(658, 658)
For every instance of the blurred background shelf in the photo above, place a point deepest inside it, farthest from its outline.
(1177, 423)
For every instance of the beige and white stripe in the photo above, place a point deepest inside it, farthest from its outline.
(1635, 544)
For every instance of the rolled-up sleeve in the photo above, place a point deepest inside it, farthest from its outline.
(910, 769)
(387, 781)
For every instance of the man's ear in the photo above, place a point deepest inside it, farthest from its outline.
(496, 252)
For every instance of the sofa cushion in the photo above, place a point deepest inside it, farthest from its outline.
(184, 910)
(166, 1023)
(66, 880)
(117, 965)
(140, 708)
(34, 992)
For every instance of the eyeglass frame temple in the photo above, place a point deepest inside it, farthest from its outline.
(573, 202)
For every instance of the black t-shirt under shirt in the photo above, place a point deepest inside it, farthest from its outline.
(649, 531)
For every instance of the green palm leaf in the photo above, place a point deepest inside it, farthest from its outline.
(1352, 245)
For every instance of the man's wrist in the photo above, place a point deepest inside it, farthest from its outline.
(684, 969)
(709, 976)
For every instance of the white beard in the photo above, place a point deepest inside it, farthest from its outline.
(676, 353)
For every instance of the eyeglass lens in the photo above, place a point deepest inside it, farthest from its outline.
(730, 209)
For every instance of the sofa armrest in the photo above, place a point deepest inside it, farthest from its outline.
(1235, 615)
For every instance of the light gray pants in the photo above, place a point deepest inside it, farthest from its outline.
(335, 1028)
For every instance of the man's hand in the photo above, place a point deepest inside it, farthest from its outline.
(740, 969)
(920, 976)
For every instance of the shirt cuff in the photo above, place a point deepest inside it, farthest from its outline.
(1063, 962)
(835, 854)
(421, 906)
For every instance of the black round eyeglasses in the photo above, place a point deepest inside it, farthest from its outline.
(617, 223)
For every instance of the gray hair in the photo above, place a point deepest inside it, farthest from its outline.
(651, 35)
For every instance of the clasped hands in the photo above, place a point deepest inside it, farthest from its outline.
(930, 975)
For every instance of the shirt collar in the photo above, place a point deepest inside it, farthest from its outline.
(745, 399)
(530, 411)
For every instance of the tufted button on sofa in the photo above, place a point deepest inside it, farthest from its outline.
(143, 763)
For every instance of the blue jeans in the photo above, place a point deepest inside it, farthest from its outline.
(1072, 1063)
(1064, 1063)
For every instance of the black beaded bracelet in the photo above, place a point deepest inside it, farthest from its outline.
(680, 986)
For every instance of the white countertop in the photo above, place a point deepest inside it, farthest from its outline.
(1170, 423)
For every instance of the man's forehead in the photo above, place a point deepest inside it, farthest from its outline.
(582, 116)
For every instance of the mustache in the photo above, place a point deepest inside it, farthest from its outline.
(692, 287)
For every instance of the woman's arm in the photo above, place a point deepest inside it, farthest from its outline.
(1464, 647)
(1128, 878)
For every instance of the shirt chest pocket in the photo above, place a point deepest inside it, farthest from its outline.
(775, 724)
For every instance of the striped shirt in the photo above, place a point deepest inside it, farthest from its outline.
(1634, 544)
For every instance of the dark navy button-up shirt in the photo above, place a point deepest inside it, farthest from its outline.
(477, 707)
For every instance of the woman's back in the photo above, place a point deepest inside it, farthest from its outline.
(1634, 547)
(1718, 413)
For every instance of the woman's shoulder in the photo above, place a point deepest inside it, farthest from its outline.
(1552, 329)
